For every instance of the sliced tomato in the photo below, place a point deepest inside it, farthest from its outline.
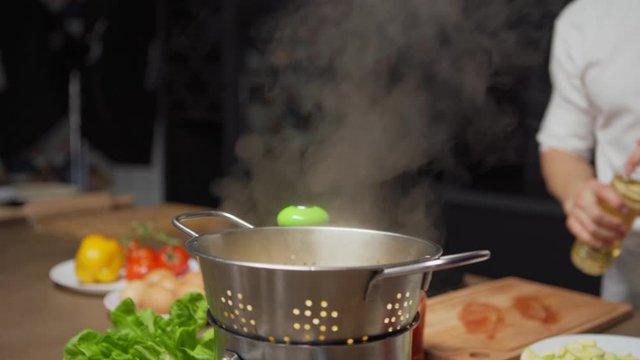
(174, 258)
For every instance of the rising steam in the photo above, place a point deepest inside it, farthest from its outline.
(368, 93)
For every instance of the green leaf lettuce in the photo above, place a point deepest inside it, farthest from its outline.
(142, 334)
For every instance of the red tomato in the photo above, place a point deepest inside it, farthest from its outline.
(140, 261)
(174, 258)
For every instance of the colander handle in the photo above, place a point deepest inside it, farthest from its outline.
(441, 263)
(177, 221)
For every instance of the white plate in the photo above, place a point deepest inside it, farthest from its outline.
(64, 274)
(621, 345)
(112, 299)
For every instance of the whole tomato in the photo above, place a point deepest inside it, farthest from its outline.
(174, 258)
(140, 260)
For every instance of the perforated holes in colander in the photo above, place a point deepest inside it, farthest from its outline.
(312, 318)
(397, 311)
(238, 314)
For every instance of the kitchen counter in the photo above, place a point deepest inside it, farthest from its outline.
(40, 317)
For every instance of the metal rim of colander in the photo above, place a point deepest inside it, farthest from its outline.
(190, 246)
(342, 342)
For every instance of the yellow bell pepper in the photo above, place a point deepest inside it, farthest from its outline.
(99, 259)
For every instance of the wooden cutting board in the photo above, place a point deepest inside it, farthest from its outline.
(497, 319)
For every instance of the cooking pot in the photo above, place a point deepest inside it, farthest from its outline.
(314, 285)
(231, 346)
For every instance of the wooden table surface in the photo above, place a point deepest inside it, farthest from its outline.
(40, 317)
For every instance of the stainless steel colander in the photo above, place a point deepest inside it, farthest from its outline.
(302, 285)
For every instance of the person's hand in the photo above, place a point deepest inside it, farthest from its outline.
(589, 222)
(633, 161)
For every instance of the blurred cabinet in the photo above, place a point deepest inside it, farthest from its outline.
(203, 46)
(198, 98)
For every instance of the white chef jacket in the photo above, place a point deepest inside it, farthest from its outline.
(594, 108)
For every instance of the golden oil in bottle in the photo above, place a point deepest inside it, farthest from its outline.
(596, 261)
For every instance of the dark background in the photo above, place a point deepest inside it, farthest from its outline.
(181, 63)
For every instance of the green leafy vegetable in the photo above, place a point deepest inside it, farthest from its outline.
(142, 334)
(147, 232)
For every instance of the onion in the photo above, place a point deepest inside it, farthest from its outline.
(194, 277)
(169, 283)
(186, 288)
(157, 298)
(158, 275)
(134, 290)
(160, 287)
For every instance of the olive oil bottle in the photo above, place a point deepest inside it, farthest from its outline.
(596, 261)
